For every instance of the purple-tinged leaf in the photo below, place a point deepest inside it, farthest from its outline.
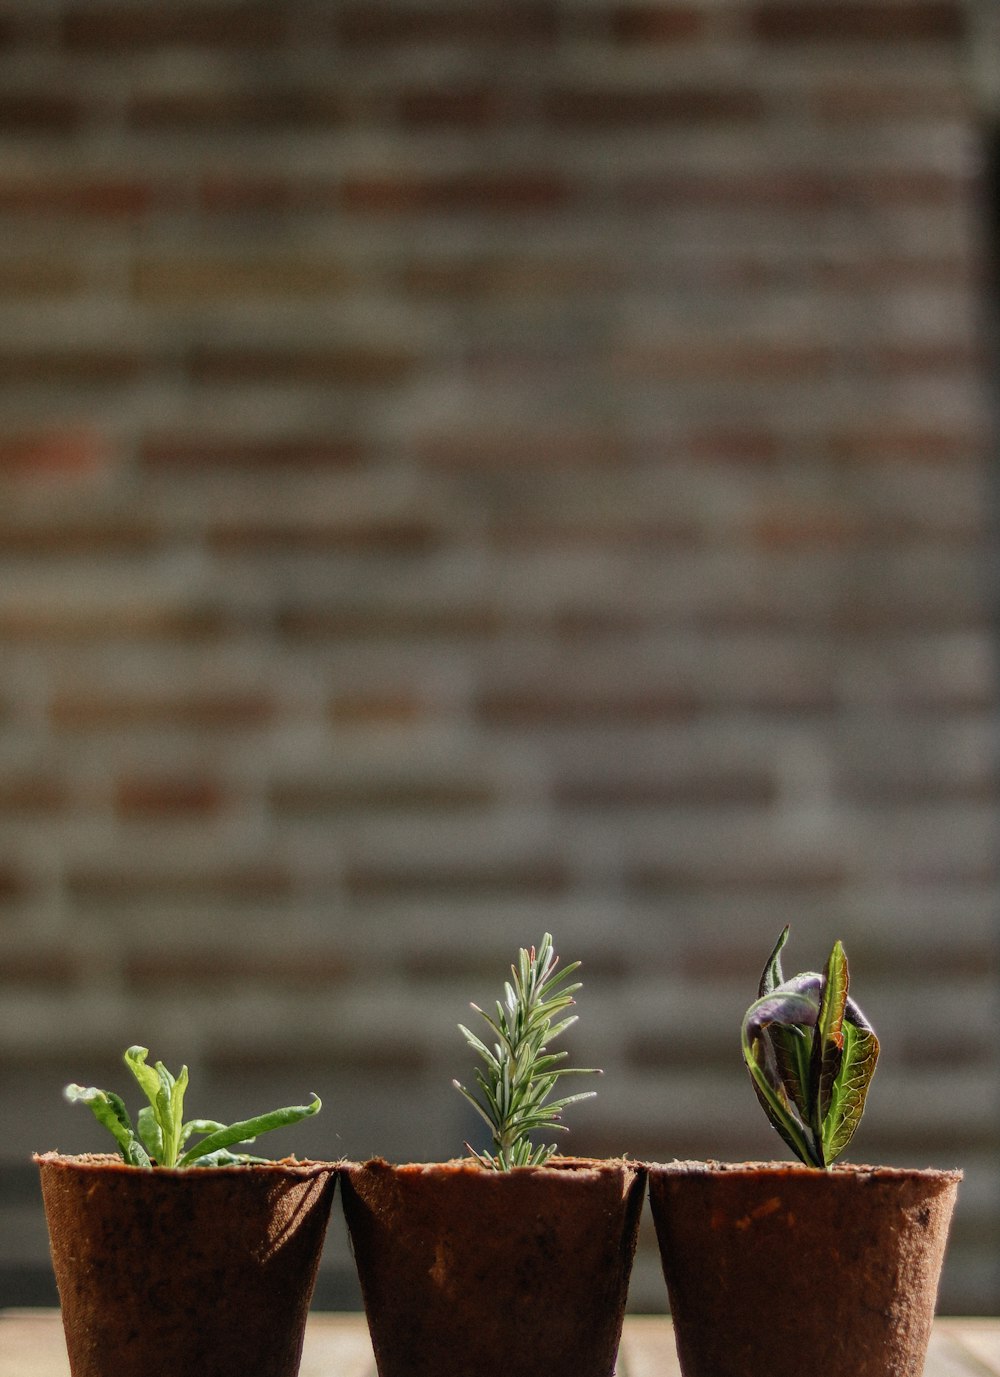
(811, 1054)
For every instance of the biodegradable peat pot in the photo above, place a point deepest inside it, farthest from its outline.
(469, 1272)
(773, 1268)
(206, 1270)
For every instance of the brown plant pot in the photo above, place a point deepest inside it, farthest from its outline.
(468, 1272)
(774, 1268)
(208, 1270)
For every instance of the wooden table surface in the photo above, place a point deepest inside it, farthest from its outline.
(31, 1345)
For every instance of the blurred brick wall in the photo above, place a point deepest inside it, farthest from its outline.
(470, 467)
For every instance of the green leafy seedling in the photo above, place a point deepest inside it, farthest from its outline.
(811, 1054)
(161, 1137)
(519, 1073)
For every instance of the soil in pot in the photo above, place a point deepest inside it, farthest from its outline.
(468, 1272)
(205, 1271)
(774, 1268)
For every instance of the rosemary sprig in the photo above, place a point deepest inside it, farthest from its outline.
(519, 1072)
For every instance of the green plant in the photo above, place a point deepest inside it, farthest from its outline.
(811, 1054)
(520, 1073)
(162, 1136)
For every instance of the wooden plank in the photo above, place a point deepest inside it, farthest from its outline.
(978, 1339)
(337, 1344)
(31, 1345)
(647, 1348)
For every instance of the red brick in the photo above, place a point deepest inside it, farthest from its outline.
(78, 710)
(708, 789)
(477, 877)
(728, 876)
(196, 279)
(884, 273)
(33, 793)
(13, 885)
(42, 968)
(212, 967)
(400, 536)
(347, 366)
(248, 110)
(35, 112)
(38, 278)
(252, 453)
(893, 360)
(732, 360)
(98, 624)
(899, 440)
(386, 25)
(462, 107)
(635, 531)
(868, 21)
(364, 709)
(805, 191)
(548, 707)
(145, 796)
(111, 198)
(418, 795)
(854, 101)
(499, 193)
(247, 194)
(73, 537)
(123, 28)
(655, 24)
(790, 526)
(249, 883)
(522, 451)
(389, 623)
(735, 445)
(506, 278)
(630, 108)
(70, 453)
(84, 366)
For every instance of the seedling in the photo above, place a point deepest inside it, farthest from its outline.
(811, 1055)
(520, 1072)
(162, 1136)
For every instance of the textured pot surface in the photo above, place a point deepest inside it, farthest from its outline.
(468, 1272)
(205, 1271)
(774, 1268)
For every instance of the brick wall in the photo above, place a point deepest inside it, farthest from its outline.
(470, 467)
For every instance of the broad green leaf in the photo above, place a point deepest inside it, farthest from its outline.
(199, 1126)
(150, 1133)
(248, 1129)
(828, 1040)
(165, 1094)
(148, 1079)
(173, 1121)
(847, 1100)
(109, 1110)
(162, 1133)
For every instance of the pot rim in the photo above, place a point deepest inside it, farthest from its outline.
(109, 1163)
(567, 1167)
(709, 1168)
